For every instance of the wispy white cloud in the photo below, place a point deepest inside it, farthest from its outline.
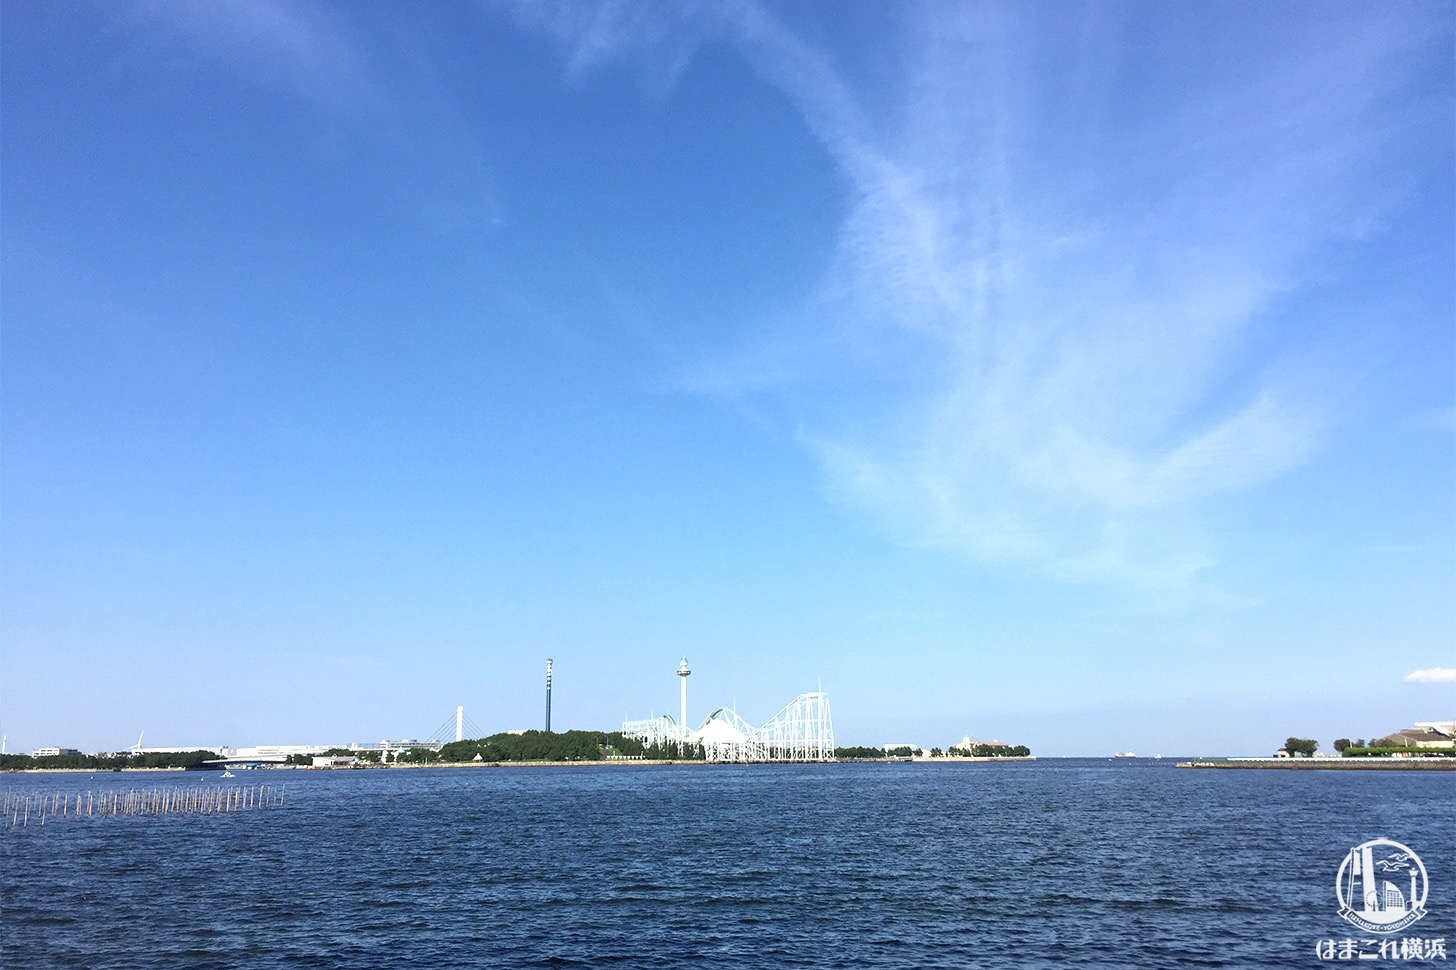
(663, 37)
(1082, 310)
(373, 76)
(298, 48)
(1432, 675)
(1055, 286)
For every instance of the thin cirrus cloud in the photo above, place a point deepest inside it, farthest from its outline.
(327, 59)
(296, 48)
(1432, 675)
(1083, 322)
(1056, 286)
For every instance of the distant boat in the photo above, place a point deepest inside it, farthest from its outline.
(1125, 754)
(228, 774)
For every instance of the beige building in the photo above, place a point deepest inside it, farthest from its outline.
(1426, 734)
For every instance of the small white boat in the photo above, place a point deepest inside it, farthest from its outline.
(1124, 754)
(228, 774)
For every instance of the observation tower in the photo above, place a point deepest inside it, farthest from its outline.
(684, 672)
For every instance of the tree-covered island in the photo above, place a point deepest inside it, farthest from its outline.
(528, 746)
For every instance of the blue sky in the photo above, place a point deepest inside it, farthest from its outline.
(1082, 375)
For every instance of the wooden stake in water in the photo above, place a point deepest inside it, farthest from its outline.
(17, 809)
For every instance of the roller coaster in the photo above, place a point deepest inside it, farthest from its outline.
(802, 731)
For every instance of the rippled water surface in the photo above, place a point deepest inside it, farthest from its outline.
(1057, 863)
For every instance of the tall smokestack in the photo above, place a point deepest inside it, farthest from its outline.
(548, 695)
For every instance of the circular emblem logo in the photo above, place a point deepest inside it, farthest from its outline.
(1381, 886)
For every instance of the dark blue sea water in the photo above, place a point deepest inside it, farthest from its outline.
(1074, 863)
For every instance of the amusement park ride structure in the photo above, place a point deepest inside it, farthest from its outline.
(802, 731)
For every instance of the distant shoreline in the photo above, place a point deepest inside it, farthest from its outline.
(926, 760)
(86, 771)
(645, 763)
(1330, 764)
(496, 764)
(1277, 764)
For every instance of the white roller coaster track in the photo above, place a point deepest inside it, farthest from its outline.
(802, 731)
(660, 730)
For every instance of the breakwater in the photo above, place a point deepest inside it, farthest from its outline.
(22, 810)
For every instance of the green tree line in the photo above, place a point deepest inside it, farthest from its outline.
(370, 755)
(561, 746)
(1304, 746)
(990, 751)
(1379, 750)
(97, 762)
(975, 751)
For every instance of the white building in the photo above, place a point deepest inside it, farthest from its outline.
(179, 749)
(407, 744)
(277, 750)
(915, 749)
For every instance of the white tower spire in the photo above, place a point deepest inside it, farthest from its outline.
(460, 723)
(683, 672)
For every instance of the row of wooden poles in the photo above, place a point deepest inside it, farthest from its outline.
(19, 810)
